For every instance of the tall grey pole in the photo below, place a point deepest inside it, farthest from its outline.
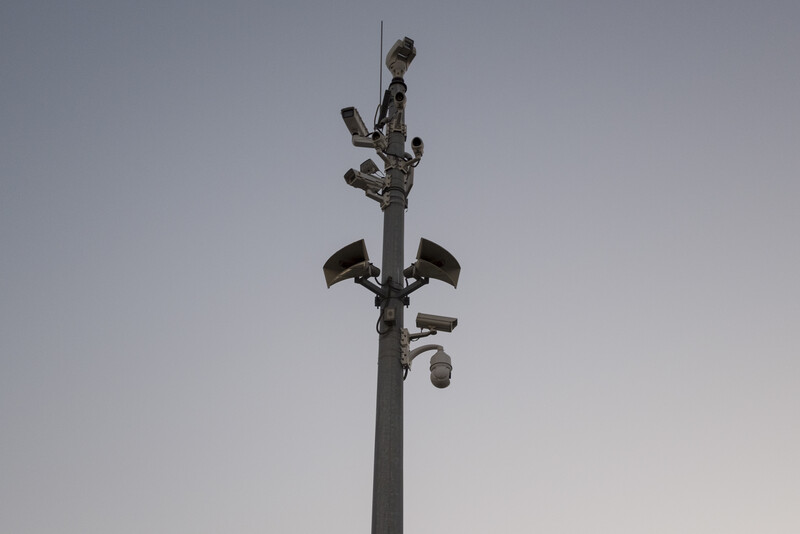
(394, 356)
(387, 489)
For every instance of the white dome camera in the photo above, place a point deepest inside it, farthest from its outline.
(441, 369)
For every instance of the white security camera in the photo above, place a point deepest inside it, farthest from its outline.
(400, 56)
(364, 181)
(363, 142)
(399, 100)
(441, 364)
(374, 140)
(379, 140)
(441, 369)
(436, 322)
(417, 146)
(354, 122)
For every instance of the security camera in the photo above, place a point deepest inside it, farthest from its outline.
(379, 140)
(400, 100)
(363, 142)
(374, 140)
(436, 322)
(369, 167)
(417, 146)
(441, 369)
(400, 56)
(441, 365)
(364, 181)
(354, 123)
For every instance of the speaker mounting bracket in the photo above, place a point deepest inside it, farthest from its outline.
(413, 287)
(372, 286)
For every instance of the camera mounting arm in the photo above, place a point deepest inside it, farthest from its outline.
(408, 356)
(441, 363)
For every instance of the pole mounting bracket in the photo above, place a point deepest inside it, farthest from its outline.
(413, 287)
(372, 286)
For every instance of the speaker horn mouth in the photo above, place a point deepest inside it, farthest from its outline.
(434, 261)
(351, 261)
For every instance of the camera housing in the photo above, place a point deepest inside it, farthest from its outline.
(400, 56)
(368, 167)
(439, 323)
(399, 100)
(417, 146)
(441, 369)
(367, 182)
(354, 122)
(379, 141)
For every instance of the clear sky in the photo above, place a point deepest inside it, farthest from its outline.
(619, 180)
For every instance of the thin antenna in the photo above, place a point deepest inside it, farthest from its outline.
(375, 118)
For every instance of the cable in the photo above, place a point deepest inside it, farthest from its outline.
(378, 325)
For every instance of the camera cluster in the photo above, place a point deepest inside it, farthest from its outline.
(390, 187)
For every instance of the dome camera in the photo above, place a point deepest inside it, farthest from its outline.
(441, 369)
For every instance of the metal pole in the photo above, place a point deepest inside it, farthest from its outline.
(387, 490)
(433, 261)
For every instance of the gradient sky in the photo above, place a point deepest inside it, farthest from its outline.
(619, 180)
